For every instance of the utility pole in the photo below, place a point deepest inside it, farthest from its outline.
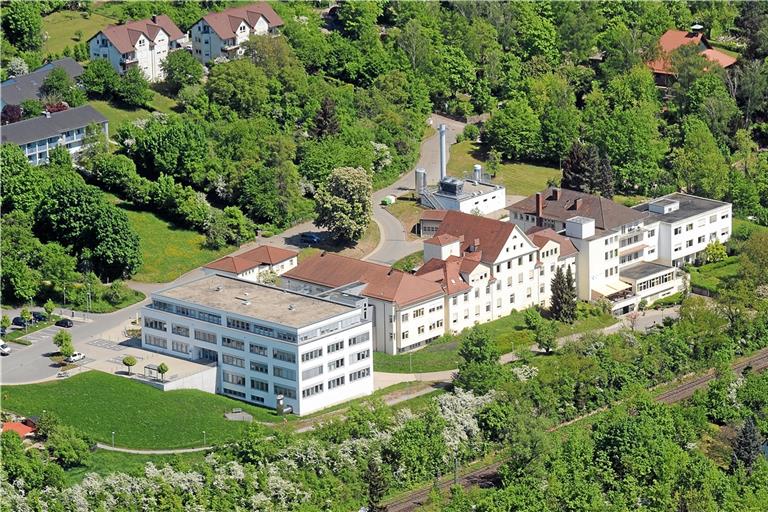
(113, 439)
(204, 439)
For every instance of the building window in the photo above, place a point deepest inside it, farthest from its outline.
(259, 385)
(689, 227)
(419, 312)
(257, 398)
(359, 356)
(232, 343)
(158, 325)
(155, 341)
(334, 383)
(284, 373)
(233, 378)
(312, 354)
(259, 350)
(180, 330)
(238, 324)
(360, 374)
(701, 239)
(205, 336)
(286, 392)
(404, 336)
(233, 392)
(232, 360)
(178, 346)
(312, 372)
(259, 367)
(678, 230)
(312, 390)
(689, 243)
(724, 216)
(282, 355)
(335, 365)
(335, 347)
(678, 248)
(360, 338)
(512, 298)
(404, 317)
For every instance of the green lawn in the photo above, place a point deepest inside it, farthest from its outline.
(141, 416)
(61, 27)
(409, 262)
(408, 211)
(518, 178)
(710, 276)
(104, 463)
(168, 251)
(117, 114)
(509, 333)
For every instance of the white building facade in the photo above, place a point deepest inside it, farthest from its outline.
(261, 264)
(143, 44)
(221, 34)
(267, 342)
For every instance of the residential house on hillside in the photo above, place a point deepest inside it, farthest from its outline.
(220, 34)
(143, 44)
(407, 311)
(254, 265)
(27, 87)
(618, 247)
(38, 136)
(671, 40)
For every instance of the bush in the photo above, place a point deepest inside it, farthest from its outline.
(471, 132)
(68, 447)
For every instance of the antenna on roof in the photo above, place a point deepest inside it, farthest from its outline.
(291, 307)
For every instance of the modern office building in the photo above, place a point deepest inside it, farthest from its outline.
(268, 343)
(38, 136)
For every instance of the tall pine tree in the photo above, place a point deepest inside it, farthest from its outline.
(746, 447)
(377, 485)
(326, 121)
(563, 300)
(586, 170)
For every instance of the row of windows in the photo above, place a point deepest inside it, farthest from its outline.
(312, 354)
(155, 341)
(233, 361)
(158, 325)
(181, 347)
(232, 343)
(655, 281)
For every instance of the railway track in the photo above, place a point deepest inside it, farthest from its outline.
(488, 476)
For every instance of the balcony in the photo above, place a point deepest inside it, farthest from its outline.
(129, 58)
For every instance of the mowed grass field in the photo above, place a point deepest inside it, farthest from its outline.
(61, 27)
(509, 333)
(167, 250)
(518, 178)
(117, 115)
(97, 404)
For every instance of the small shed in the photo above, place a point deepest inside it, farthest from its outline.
(21, 429)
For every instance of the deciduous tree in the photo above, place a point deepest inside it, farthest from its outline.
(23, 24)
(343, 205)
(181, 69)
(479, 369)
(515, 130)
(162, 369)
(699, 165)
(130, 362)
(133, 89)
(100, 79)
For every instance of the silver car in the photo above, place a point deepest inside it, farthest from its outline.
(4, 349)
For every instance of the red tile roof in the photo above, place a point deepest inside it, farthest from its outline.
(225, 23)
(448, 273)
(540, 236)
(433, 214)
(124, 36)
(261, 255)
(20, 428)
(381, 281)
(442, 240)
(491, 233)
(674, 39)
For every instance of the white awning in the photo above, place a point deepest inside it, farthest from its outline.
(606, 289)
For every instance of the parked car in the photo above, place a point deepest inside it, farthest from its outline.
(4, 349)
(65, 322)
(310, 238)
(39, 316)
(20, 322)
(77, 356)
(2, 331)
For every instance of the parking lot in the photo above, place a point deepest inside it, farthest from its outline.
(44, 335)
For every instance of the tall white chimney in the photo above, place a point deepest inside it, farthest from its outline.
(443, 161)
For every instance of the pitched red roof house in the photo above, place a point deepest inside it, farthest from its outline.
(124, 36)
(484, 235)
(541, 236)
(225, 23)
(381, 282)
(448, 272)
(261, 255)
(674, 39)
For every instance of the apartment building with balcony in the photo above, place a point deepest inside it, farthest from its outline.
(221, 34)
(407, 311)
(143, 44)
(268, 343)
(38, 136)
(260, 264)
(685, 225)
(619, 248)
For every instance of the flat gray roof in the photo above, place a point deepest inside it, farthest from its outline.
(471, 189)
(641, 270)
(257, 301)
(43, 127)
(690, 206)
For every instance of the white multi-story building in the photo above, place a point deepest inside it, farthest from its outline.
(144, 44)
(267, 342)
(489, 268)
(38, 136)
(407, 311)
(221, 34)
(260, 264)
(627, 255)
(685, 225)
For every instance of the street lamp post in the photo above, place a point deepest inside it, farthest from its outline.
(113, 439)
(204, 439)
